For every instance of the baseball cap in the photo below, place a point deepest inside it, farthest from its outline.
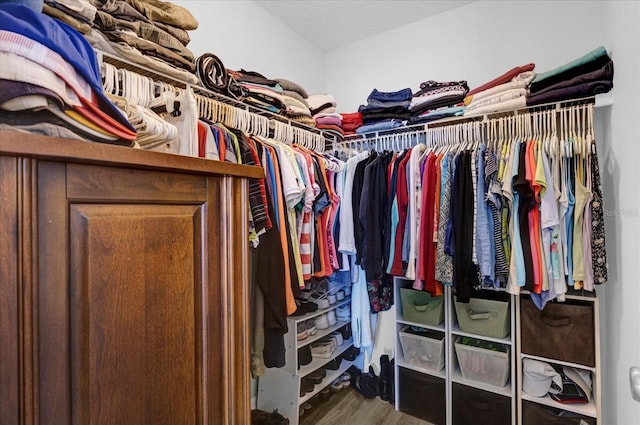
(538, 378)
(73, 47)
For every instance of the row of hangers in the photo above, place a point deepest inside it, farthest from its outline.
(144, 92)
(567, 131)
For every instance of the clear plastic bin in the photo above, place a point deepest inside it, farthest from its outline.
(423, 349)
(482, 365)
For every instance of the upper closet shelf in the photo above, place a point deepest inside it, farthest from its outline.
(122, 63)
(599, 101)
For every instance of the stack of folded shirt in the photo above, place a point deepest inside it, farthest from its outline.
(351, 122)
(78, 14)
(434, 95)
(505, 93)
(321, 103)
(331, 122)
(260, 91)
(149, 32)
(295, 98)
(50, 81)
(586, 76)
(385, 110)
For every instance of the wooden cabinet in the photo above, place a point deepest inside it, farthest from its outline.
(123, 286)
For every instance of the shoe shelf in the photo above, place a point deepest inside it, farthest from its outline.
(456, 376)
(298, 319)
(318, 362)
(332, 375)
(321, 333)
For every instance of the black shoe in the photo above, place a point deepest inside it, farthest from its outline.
(350, 354)
(316, 376)
(367, 384)
(334, 364)
(385, 383)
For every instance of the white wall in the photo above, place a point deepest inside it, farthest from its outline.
(244, 36)
(461, 44)
(619, 163)
(476, 43)
(479, 42)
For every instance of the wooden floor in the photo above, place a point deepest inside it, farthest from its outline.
(349, 407)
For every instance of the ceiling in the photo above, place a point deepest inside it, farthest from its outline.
(329, 24)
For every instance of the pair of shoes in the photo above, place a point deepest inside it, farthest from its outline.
(304, 307)
(322, 322)
(306, 386)
(325, 394)
(350, 354)
(304, 356)
(311, 327)
(385, 383)
(326, 319)
(338, 338)
(301, 331)
(316, 376)
(334, 364)
(263, 417)
(342, 381)
(367, 384)
(344, 313)
(346, 331)
(322, 349)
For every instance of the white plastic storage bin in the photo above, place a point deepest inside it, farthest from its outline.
(423, 348)
(483, 365)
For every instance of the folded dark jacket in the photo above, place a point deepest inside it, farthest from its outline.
(504, 78)
(120, 9)
(178, 33)
(435, 86)
(146, 30)
(604, 73)
(574, 92)
(438, 103)
(393, 96)
(252, 77)
(294, 87)
(151, 49)
(590, 62)
(62, 8)
(265, 98)
(80, 26)
(365, 110)
(167, 12)
(374, 115)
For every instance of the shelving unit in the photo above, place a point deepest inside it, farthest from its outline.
(451, 373)
(287, 379)
(593, 409)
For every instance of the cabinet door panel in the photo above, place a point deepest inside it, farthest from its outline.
(135, 288)
(9, 299)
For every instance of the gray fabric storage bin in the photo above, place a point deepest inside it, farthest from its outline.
(484, 317)
(421, 307)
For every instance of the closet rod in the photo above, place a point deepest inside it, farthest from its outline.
(482, 122)
(598, 101)
(119, 62)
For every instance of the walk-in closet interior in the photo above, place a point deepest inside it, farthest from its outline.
(319, 212)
